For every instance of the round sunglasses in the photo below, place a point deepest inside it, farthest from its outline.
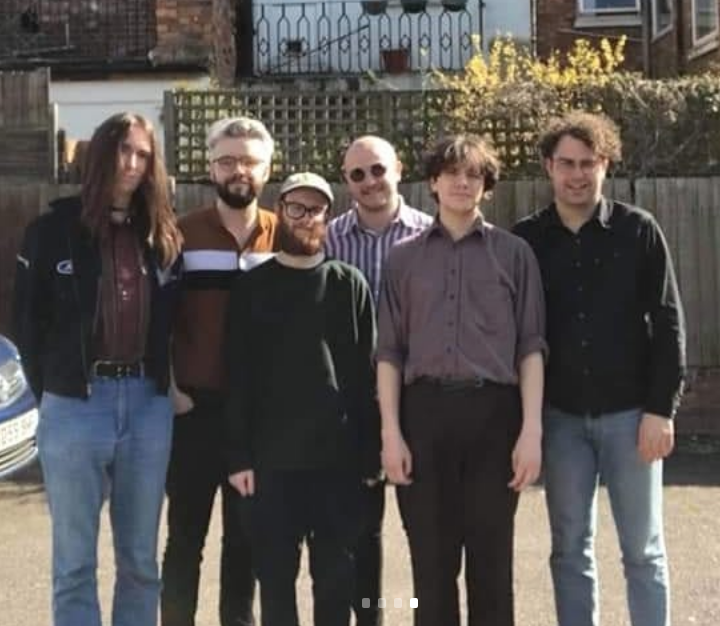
(358, 174)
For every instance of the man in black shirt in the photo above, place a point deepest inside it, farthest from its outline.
(614, 377)
(302, 420)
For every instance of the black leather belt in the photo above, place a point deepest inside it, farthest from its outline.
(115, 369)
(453, 384)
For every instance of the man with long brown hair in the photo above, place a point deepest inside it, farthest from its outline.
(92, 309)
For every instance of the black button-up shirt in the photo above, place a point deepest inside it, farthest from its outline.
(615, 325)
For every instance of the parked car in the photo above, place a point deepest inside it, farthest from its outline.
(18, 412)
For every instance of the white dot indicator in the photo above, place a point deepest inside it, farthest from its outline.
(366, 603)
(398, 603)
(413, 603)
(381, 603)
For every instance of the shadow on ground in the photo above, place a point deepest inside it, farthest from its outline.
(696, 461)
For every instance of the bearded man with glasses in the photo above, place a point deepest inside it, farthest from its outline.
(302, 425)
(363, 236)
(232, 234)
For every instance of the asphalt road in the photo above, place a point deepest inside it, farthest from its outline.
(692, 506)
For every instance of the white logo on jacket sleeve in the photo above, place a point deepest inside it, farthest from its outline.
(23, 261)
(65, 267)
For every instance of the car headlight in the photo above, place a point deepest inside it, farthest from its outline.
(12, 382)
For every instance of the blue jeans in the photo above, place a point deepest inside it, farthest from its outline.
(578, 451)
(116, 444)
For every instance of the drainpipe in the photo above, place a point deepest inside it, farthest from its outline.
(646, 16)
(533, 27)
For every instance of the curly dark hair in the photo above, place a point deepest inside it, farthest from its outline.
(597, 131)
(455, 149)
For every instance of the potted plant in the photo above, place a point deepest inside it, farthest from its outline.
(454, 5)
(374, 7)
(413, 6)
(396, 60)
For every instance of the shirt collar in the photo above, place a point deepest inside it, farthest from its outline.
(480, 227)
(402, 216)
(262, 224)
(602, 215)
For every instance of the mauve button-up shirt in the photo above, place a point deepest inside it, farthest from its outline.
(472, 308)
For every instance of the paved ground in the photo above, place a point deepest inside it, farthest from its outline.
(693, 537)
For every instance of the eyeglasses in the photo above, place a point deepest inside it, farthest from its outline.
(358, 174)
(229, 163)
(297, 210)
(586, 166)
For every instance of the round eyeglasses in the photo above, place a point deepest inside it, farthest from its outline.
(297, 210)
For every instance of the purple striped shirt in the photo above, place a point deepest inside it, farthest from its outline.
(347, 240)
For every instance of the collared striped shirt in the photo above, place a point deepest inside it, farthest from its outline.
(347, 240)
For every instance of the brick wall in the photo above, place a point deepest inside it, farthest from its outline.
(557, 31)
(184, 31)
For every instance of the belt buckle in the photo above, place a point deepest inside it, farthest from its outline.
(460, 385)
(119, 370)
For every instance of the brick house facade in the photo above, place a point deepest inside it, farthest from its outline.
(664, 37)
(78, 37)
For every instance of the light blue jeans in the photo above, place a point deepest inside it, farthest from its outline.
(115, 445)
(578, 451)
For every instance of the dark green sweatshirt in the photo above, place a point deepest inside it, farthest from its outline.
(300, 370)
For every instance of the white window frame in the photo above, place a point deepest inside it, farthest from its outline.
(711, 37)
(583, 10)
(656, 34)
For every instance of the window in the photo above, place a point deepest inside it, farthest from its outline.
(704, 20)
(609, 6)
(662, 17)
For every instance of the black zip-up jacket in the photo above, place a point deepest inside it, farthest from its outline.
(56, 304)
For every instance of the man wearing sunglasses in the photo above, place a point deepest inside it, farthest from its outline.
(302, 426)
(362, 236)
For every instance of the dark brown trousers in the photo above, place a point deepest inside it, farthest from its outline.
(461, 440)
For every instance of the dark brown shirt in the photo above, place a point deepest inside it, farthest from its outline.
(471, 308)
(211, 261)
(124, 298)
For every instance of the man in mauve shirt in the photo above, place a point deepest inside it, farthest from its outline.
(460, 376)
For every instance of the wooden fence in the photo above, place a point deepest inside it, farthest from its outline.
(27, 126)
(687, 209)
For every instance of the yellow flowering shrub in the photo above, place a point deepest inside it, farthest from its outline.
(509, 93)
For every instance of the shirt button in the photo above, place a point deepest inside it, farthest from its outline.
(580, 288)
(452, 296)
(586, 371)
(581, 315)
(578, 264)
(448, 349)
(451, 323)
(584, 343)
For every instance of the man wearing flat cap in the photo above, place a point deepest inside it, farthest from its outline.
(302, 426)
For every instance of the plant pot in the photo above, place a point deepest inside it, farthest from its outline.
(396, 60)
(413, 6)
(454, 5)
(374, 7)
